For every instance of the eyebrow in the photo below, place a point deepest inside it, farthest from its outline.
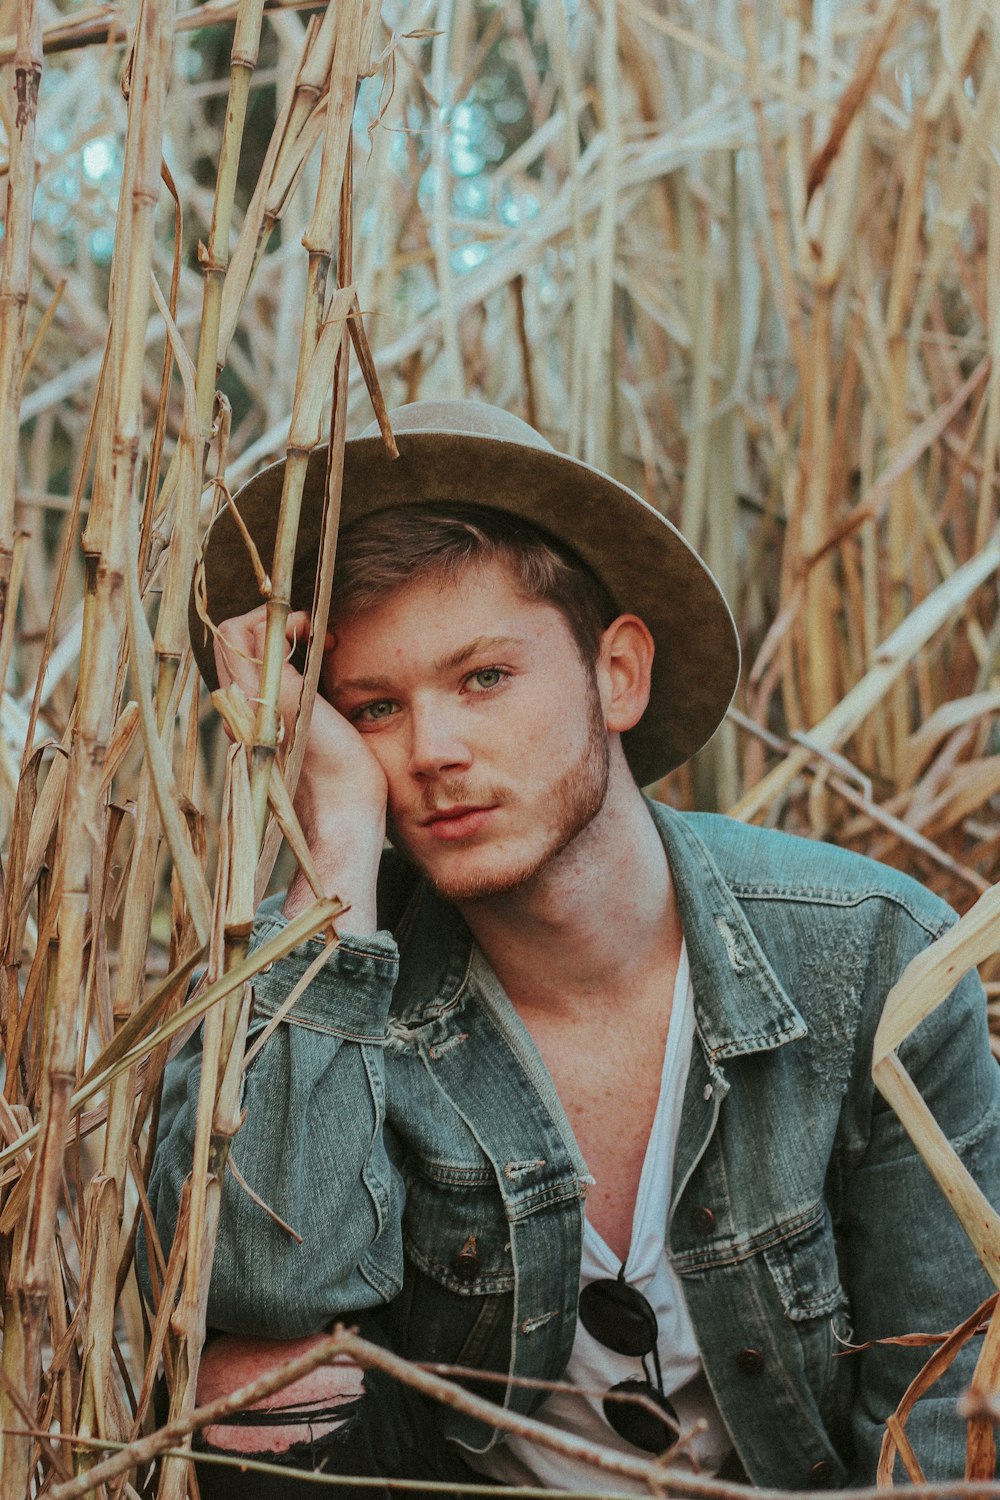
(482, 645)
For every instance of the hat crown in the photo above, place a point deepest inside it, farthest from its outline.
(477, 418)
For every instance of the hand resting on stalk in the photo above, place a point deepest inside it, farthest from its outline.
(341, 795)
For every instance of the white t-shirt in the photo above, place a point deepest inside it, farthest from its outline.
(595, 1369)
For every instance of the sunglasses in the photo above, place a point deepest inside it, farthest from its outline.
(620, 1318)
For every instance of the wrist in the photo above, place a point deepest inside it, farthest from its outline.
(360, 918)
(346, 853)
(330, 812)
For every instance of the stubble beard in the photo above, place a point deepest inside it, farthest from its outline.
(576, 798)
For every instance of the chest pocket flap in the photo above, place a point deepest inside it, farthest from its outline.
(805, 1271)
(455, 1229)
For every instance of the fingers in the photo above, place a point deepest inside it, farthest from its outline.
(239, 656)
(334, 751)
(239, 646)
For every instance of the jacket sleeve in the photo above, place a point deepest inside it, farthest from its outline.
(911, 1267)
(313, 1146)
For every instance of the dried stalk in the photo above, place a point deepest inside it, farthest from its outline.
(218, 1101)
(15, 270)
(246, 41)
(317, 357)
(921, 988)
(798, 359)
(892, 658)
(322, 343)
(114, 496)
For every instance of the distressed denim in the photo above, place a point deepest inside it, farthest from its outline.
(403, 1123)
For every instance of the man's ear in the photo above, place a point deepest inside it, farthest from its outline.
(624, 666)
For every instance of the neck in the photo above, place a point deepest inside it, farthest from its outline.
(594, 921)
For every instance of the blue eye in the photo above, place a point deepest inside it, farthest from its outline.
(371, 712)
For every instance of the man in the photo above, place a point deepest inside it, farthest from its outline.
(584, 1094)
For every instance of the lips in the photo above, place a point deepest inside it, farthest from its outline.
(451, 823)
(448, 814)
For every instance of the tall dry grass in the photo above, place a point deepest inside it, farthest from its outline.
(746, 256)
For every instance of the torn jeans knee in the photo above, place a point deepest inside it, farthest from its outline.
(388, 1432)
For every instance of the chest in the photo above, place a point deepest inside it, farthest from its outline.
(608, 1080)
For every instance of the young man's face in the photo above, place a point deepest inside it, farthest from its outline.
(486, 722)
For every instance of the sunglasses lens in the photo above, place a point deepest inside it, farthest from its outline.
(618, 1317)
(637, 1424)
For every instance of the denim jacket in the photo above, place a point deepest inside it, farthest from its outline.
(404, 1124)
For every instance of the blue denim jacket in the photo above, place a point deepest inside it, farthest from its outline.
(404, 1124)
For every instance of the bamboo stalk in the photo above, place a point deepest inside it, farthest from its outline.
(786, 290)
(98, 26)
(217, 1120)
(554, 20)
(322, 343)
(441, 167)
(700, 280)
(246, 42)
(318, 350)
(892, 658)
(118, 1058)
(113, 497)
(599, 432)
(923, 986)
(15, 270)
(303, 437)
(297, 129)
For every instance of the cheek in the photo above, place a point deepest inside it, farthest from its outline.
(391, 755)
(559, 721)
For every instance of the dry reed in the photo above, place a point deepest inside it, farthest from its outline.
(746, 256)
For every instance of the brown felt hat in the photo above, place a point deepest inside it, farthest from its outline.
(466, 451)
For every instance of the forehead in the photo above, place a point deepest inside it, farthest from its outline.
(440, 612)
(442, 592)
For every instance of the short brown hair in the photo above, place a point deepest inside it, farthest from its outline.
(381, 553)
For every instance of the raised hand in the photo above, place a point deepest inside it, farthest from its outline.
(341, 794)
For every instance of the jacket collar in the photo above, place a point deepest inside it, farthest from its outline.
(740, 1004)
(435, 955)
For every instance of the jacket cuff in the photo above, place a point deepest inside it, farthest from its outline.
(350, 995)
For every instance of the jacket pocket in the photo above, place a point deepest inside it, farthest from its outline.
(455, 1229)
(458, 1298)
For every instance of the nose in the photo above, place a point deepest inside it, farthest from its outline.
(436, 744)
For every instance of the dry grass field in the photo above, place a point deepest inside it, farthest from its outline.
(745, 256)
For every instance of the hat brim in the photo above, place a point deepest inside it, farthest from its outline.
(645, 562)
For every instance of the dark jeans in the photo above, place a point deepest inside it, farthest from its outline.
(389, 1432)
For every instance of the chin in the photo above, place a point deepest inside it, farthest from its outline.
(474, 877)
(484, 883)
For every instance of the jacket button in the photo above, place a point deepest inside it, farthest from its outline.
(821, 1474)
(465, 1266)
(703, 1219)
(750, 1361)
